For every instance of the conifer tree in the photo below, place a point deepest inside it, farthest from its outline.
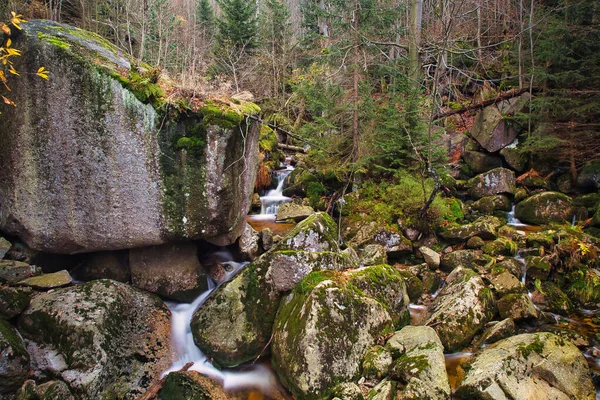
(237, 24)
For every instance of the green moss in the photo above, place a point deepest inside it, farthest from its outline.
(537, 346)
(226, 116)
(268, 139)
(54, 40)
(9, 336)
(407, 366)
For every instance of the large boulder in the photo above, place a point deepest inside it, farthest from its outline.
(528, 366)
(296, 212)
(104, 339)
(88, 164)
(462, 309)
(105, 265)
(171, 270)
(490, 127)
(483, 227)
(545, 207)
(322, 331)
(496, 181)
(14, 359)
(419, 363)
(589, 177)
(13, 300)
(481, 162)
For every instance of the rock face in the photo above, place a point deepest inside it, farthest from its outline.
(529, 366)
(420, 364)
(546, 207)
(109, 178)
(462, 309)
(104, 339)
(14, 359)
(321, 332)
(170, 270)
(496, 181)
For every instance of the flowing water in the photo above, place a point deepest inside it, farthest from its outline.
(258, 377)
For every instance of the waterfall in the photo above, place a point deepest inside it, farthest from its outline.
(274, 198)
(512, 220)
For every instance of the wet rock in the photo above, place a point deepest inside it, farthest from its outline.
(513, 157)
(538, 267)
(172, 271)
(549, 297)
(500, 330)
(106, 171)
(517, 306)
(373, 254)
(48, 281)
(14, 359)
(500, 247)
(513, 266)
(545, 207)
(484, 227)
(462, 309)
(321, 332)
(190, 385)
(103, 338)
(419, 363)
(589, 176)
(12, 272)
(105, 265)
(528, 366)
(293, 211)
(481, 162)
(13, 300)
(464, 258)
(248, 243)
(431, 257)
(506, 283)
(376, 363)
(4, 247)
(489, 204)
(496, 181)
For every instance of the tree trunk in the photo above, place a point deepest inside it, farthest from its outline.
(356, 77)
(414, 66)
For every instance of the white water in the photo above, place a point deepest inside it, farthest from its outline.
(256, 377)
(514, 221)
(274, 198)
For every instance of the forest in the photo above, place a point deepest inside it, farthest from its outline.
(329, 199)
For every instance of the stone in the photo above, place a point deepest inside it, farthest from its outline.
(419, 363)
(373, 254)
(293, 211)
(545, 207)
(376, 363)
(12, 272)
(431, 257)
(589, 176)
(500, 247)
(496, 181)
(248, 243)
(549, 297)
(171, 270)
(414, 285)
(13, 300)
(190, 385)
(54, 390)
(475, 243)
(462, 309)
(4, 247)
(321, 333)
(394, 243)
(563, 183)
(481, 162)
(266, 239)
(364, 234)
(48, 281)
(14, 359)
(517, 306)
(464, 258)
(528, 366)
(498, 331)
(384, 390)
(347, 391)
(490, 204)
(513, 157)
(431, 282)
(539, 239)
(537, 267)
(506, 283)
(484, 227)
(513, 266)
(316, 233)
(103, 338)
(105, 265)
(93, 166)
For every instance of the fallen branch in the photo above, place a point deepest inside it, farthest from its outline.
(153, 390)
(263, 350)
(290, 147)
(500, 97)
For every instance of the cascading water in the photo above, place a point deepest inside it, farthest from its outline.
(274, 198)
(512, 220)
(257, 377)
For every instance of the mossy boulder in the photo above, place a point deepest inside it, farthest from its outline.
(394, 243)
(528, 366)
(322, 330)
(490, 204)
(171, 270)
(474, 259)
(498, 331)
(53, 390)
(104, 265)
(316, 233)
(584, 287)
(14, 359)
(48, 281)
(419, 363)
(293, 211)
(105, 339)
(500, 247)
(484, 227)
(95, 164)
(373, 254)
(479, 162)
(13, 300)
(496, 181)
(376, 362)
(414, 285)
(506, 283)
(190, 385)
(545, 207)
(462, 309)
(549, 297)
(12, 272)
(538, 267)
(517, 306)
(589, 176)
(513, 157)
(540, 239)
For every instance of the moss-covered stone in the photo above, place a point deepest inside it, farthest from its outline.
(414, 285)
(500, 247)
(474, 259)
(14, 359)
(546, 207)
(13, 301)
(376, 363)
(496, 181)
(48, 281)
(190, 385)
(538, 267)
(549, 297)
(540, 239)
(14, 271)
(517, 306)
(294, 212)
(490, 204)
(584, 287)
(373, 254)
(54, 390)
(485, 227)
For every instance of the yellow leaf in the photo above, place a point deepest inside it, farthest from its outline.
(8, 43)
(5, 29)
(40, 69)
(13, 71)
(13, 52)
(8, 101)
